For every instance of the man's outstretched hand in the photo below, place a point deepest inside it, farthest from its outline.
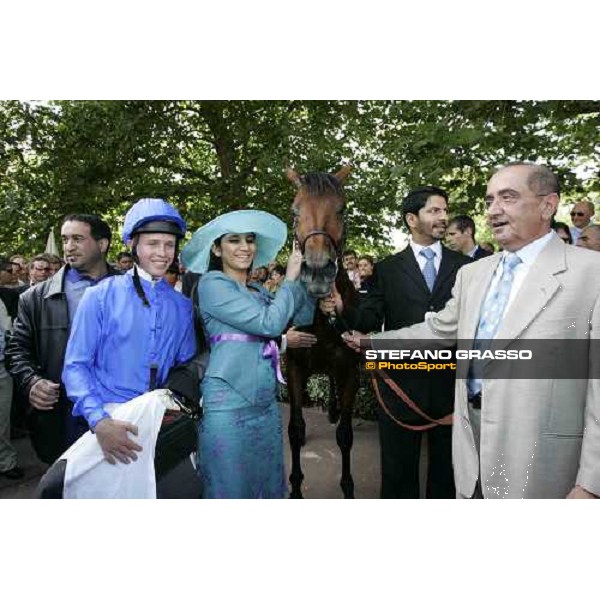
(353, 339)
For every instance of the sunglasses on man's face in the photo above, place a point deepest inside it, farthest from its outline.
(577, 214)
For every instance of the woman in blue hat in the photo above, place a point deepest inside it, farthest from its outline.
(130, 331)
(240, 441)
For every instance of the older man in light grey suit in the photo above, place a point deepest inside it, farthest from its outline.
(522, 438)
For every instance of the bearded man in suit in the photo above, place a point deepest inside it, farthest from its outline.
(406, 286)
(522, 438)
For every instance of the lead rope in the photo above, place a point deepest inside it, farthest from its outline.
(446, 420)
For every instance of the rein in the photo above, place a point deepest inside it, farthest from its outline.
(331, 319)
(302, 243)
(337, 246)
(445, 420)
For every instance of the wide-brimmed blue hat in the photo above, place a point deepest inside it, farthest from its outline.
(270, 233)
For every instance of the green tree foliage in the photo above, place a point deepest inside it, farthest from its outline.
(212, 156)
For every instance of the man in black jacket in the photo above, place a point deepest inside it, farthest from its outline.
(406, 286)
(460, 236)
(35, 352)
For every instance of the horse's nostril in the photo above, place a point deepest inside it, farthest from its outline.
(317, 262)
(330, 270)
(319, 289)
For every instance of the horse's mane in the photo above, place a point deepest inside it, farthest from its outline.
(322, 184)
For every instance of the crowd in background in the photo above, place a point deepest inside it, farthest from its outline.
(19, 273)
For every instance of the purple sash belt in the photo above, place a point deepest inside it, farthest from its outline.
(270, 349)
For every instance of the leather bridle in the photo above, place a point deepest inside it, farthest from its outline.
(338, 248)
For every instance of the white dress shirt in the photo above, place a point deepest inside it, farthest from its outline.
(575, 233)
(528, 255)
(436, 247)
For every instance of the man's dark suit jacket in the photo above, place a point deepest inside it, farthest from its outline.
(36, 350)
(481, 253)
(400, 298)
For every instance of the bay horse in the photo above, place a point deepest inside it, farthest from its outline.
(319, 231)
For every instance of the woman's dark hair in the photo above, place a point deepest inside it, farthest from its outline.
(215, 263)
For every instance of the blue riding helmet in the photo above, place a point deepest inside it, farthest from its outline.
(153, 215)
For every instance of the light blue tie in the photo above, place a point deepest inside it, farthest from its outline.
(492, 312)
(429, 269)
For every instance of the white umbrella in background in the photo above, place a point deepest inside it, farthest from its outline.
(51, 247)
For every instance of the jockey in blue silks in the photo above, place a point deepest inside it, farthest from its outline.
(130, 331)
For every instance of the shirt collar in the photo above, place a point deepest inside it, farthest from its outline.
(144, 275)
(436, 247)
(75, 276)
(529, 253)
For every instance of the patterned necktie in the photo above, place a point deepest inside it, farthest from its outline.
(429, 269)
(495, 304)
(492, 312)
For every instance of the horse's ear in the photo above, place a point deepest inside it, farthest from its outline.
(293, 177)
(343, 173)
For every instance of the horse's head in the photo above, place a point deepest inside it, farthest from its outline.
(318, 211)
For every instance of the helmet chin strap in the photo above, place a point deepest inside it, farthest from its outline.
(137, 284)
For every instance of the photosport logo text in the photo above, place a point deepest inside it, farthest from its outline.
(421, 360)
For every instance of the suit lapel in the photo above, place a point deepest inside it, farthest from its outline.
(536, 291)
(410, 267)
(477, 292)
(446, 270)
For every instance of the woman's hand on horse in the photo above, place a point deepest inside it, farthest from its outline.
(299, 339)
(294, 264)
(327, 306)
(337, 299)
(332, 304)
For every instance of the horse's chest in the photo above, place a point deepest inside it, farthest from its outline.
(323, 357)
